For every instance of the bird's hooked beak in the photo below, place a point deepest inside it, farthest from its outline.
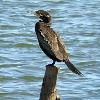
(37, 14)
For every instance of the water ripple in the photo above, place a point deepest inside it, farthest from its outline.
(22, 63)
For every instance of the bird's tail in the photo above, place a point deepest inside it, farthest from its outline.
(72, 68)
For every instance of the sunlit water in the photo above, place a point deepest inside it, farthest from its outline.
(22, 63)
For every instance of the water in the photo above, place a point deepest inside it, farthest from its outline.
(22, 63)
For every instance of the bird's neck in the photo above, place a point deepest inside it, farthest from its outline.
(46, 23)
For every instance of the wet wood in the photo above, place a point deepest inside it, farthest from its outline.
(48, 90)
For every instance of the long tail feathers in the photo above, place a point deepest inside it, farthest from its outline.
(73, 68)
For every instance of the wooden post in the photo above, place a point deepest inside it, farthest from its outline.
(48, 90)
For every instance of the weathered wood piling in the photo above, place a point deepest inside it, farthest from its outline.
(48, 90)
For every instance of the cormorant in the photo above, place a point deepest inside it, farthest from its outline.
(50, 42)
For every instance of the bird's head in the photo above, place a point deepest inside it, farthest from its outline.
(44, 16)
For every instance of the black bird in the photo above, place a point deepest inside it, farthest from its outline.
(50, 42)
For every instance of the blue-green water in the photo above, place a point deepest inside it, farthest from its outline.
(22, 63)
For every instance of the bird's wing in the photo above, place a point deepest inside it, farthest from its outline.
(54, 42)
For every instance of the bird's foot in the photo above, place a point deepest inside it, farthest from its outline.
(52, 65)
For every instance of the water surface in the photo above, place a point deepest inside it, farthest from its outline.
(22, 63)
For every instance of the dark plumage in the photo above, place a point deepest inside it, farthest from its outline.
(50, 42)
